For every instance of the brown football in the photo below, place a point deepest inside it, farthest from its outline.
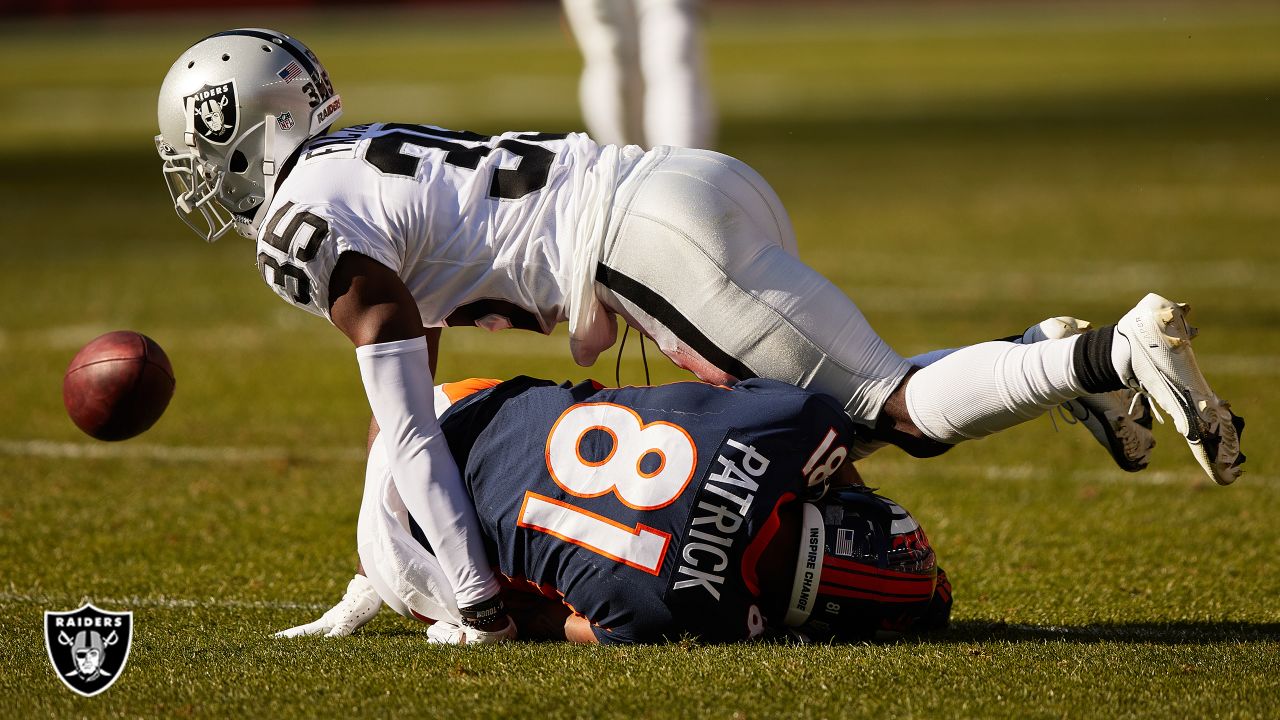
(118, 385)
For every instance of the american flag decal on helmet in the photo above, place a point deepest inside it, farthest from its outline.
(290, 72)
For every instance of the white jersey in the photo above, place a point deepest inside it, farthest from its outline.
(492, 231)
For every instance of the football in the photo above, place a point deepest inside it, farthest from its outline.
(118, 385)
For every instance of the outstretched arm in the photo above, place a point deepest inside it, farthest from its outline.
(372, 306)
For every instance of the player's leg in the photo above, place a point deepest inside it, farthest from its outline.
(985, 388)
(701, 257)
(611, 89)
(1120, 420)
(678, 108)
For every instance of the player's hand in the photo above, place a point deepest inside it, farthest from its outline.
(355, 609)
(447, 633)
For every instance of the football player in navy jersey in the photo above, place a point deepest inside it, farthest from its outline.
(643, 514)
(392, 231)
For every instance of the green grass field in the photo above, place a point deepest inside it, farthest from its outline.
(960, 171)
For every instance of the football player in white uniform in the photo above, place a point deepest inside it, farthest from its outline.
(392, 231)
(644, 75)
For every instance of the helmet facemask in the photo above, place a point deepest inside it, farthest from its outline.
(194, 186)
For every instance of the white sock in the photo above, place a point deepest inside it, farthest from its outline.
(985, 388)
(1122, 356)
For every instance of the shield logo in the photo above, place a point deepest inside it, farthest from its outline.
(285, 120)
(88, 647)
(216, 112)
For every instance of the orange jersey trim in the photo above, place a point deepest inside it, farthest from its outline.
(635, 531)
(456, 391)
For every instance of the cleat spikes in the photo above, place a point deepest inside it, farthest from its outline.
(1165, 315)
(1120, 420)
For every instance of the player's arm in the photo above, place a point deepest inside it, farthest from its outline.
(372, 307)
(433, 352)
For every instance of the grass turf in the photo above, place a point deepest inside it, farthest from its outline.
(962, 172)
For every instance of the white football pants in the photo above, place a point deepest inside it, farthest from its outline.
(644, 72)
(701, 257)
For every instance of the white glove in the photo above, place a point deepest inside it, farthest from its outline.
(355, 609)
(447, 633)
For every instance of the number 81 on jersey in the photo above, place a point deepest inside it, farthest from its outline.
(646, 468)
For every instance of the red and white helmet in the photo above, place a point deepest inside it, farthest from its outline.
(232, 109)
(865, 569)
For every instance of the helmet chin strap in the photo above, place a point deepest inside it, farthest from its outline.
(189, 133)
(269, 146)
(189, 137)
(269, 164)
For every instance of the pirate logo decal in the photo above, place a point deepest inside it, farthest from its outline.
(215, 110)
(88, 647)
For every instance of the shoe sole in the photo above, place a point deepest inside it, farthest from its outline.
(1096, 421)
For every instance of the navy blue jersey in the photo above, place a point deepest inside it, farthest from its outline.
(646, 508)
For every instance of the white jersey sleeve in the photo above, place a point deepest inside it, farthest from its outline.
(300, 245)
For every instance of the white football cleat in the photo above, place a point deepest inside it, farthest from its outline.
(1165, 369)
(1119, 420)
(357, 607)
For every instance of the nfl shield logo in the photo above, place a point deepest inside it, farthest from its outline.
(88, 647)
(285, 120)
(215, 109)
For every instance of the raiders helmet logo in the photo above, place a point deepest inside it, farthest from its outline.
(215, 110)
(88, 647)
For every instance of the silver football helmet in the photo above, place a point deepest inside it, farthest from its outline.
(232, 109)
